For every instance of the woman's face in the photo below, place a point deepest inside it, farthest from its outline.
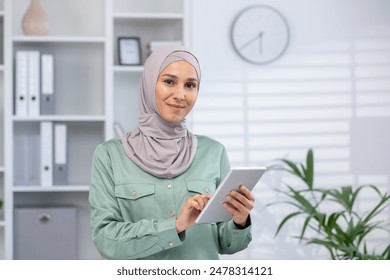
(176, 91)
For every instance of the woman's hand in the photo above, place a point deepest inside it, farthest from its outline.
(240, 204)
(190, 211)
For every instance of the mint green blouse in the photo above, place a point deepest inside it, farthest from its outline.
(133, 213)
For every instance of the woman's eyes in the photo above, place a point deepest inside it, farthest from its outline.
(191, 85)
(169, 82)
(188, 85)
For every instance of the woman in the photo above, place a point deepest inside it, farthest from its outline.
(148, 187)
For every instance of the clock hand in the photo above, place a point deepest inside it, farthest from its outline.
(251, 41)
(261, 42)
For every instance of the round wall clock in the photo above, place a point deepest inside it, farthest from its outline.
(260, 34)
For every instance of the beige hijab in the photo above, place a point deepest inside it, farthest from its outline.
(162, 149)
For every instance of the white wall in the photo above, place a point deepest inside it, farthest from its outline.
(330, 91)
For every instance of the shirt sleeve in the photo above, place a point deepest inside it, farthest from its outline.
(114, 238)
(231, 239)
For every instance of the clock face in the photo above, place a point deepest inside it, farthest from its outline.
(260, 34)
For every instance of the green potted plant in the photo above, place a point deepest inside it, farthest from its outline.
(342, 232)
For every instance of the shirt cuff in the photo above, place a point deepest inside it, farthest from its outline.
(247, 223)
(240, 231)
(166, 231)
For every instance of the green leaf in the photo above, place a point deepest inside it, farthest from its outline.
(321, 218)
(303, 202)
(307, 221)
(382, 204)
(341, 235)
(293, 168)
(386, 253)
(303, 172)
(310, 169)
(331, 223)
(287, 218)
(345, 197)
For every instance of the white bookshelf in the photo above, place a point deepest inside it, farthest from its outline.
(92, 92)
(77, 41)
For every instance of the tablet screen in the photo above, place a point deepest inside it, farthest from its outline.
(214, 211)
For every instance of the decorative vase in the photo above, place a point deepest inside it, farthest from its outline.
(35, 21)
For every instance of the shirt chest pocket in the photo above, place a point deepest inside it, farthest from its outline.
(136, 201)
(200, 186)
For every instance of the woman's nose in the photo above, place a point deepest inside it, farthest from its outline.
(179, 94)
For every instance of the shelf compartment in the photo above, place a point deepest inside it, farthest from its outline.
(126, 99)
(78, 75)
(66, 18)
(147, 31)
(86, 249)
(82, 139)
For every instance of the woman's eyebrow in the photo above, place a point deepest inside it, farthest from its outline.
(175, 77)
(193, 79)
(169, 75)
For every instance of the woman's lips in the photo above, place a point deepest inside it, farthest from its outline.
(176, 106)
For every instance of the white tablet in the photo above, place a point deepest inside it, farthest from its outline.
(214, 211)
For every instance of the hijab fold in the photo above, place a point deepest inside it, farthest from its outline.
(160, 148)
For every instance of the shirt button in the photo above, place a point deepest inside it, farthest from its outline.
(206, 190)
(133, 193)
(169, 186)
(170, 244)
(172, 214)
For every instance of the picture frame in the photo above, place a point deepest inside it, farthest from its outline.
(129, 51)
